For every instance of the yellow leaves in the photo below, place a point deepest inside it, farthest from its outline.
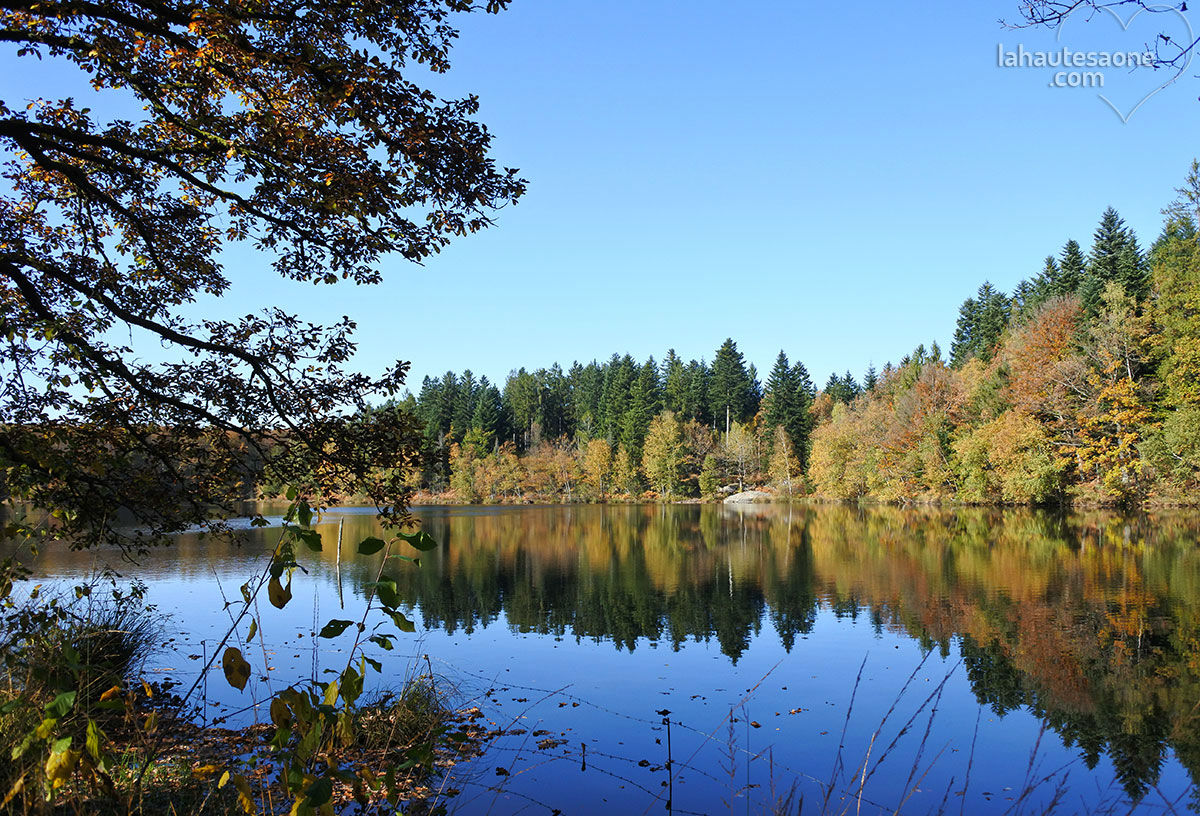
(237, 670)
(278, 594)
(205, 771)
(245, 798)
(61, 763)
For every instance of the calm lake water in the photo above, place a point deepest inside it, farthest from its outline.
(986, 652)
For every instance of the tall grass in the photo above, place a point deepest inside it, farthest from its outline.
(50, 647)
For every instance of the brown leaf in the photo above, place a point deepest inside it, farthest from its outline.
(237, 670)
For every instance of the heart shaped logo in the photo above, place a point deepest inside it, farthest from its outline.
(1187, 55)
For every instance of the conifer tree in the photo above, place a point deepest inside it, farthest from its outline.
(619, 374)
(730, 387)
(1115, 256)
(779, 401)
(465, 397)
(1108, 247)
(1072, 267)
(981, 322)
(697, 396)
(521, 399)
(643, 405)
(675, 383)
(871, 379)
(486, 420)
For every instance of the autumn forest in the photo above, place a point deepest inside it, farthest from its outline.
(1081, 386)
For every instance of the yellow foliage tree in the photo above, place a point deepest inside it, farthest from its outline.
(662, 454)
(597, 463)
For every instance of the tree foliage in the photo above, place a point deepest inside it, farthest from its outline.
(297, 131)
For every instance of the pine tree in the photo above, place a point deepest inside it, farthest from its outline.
(487, 416)
(1071, 268)
(731, 390)
(619, 374)
(521, 400)
(675, 383)
(871, 379)
(465, 397)
(697, 395)
(1108, 247)
(981, 322)
(779, 402)
(643, 405)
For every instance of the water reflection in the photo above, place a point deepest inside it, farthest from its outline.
(1090, 621)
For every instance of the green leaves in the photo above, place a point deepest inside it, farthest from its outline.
(311, 539)
(420, 540)
(60, 705)
(352, 683)
(334, 628)
(402, 623)
(237, 670)
(385, 590)
(370, 546)
(319, 792)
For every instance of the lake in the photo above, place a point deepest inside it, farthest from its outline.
(973, 661)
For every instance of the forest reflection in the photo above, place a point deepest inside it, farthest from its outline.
(1092, 621)
(1089, 620)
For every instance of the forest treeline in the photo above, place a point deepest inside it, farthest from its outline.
(1082, 384)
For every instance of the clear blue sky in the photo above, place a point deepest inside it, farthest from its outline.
(832, 179)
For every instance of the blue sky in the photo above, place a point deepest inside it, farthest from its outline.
(831, 179)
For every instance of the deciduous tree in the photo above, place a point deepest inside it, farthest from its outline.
(299, 131)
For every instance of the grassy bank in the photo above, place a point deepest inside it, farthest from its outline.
(86, 734)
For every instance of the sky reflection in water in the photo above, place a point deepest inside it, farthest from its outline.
(1076, 634)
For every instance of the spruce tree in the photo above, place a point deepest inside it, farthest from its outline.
(981, 322)
(587, 385)
(697, 395)
(642, 407)
(447, 399)
(730, 389)
(619, 375)
(962, 347)
(521, 402)
(1071, 269)
(1133, 272)
(1115, 256)
(779, 402)
(465, 397)
(675, 384)
(852, 387)
(871, 379)
(802, 429)
(486, 419)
